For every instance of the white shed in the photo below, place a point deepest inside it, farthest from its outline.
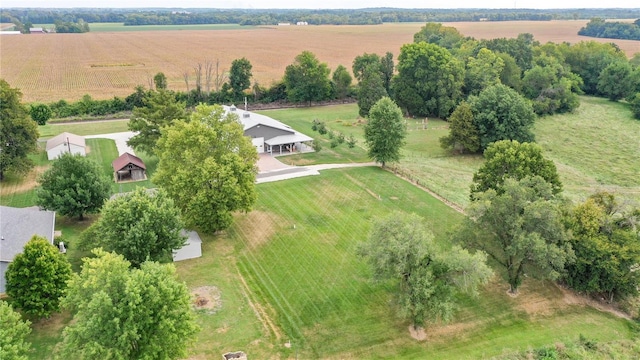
(64, 143)
(192, 248)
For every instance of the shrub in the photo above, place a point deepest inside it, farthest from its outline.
(40, 113)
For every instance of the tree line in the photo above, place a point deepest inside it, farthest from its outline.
(600, 28)
(314, 17)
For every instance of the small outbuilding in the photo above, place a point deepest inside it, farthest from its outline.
(192, 248)
(129, 167)
(66, 143)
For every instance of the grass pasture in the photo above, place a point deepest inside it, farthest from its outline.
(309, 287)
(111, 61)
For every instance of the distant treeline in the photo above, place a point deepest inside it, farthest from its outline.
(312, 17)
(597, 27)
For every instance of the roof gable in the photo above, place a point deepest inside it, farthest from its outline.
(126, 159)
(17, 227)
(63, 138)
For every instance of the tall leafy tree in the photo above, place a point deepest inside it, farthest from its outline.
(400, 249)
(364, 61)
(240, 77)
(434, 33)
(385, 131)
(588, 59)
(463, 134)
(160, 81)
(141, 226)
(483, 70)
(500, 113)
(123, 313)
(74, 186)
(160, 109)
(387, 68)
(40, 113)
(605, 240)
(208, 167)
(37, 278)
(511, 73)
(18, 133)
(521, 229)
(429, 80)
(616, 81)
(13, 334)
(307, 79)
(341, 81)
(512, 159)
(370, 89)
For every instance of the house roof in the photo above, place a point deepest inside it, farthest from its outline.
(249, 120)
(17, 227)
(62, 139)
(288, 139)
(126, 159)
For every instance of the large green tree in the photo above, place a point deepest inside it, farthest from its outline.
(589, 58)
(141, 226)
(370, 89)
(401, 250)
(74, 186)
(40, 113)
(463, 133)
(37, 278)
(307, 79)
(616, 81)
(551, 87)
(240, 77)
(18, 133)
(160, 109)
(482, 71)
(521, 229)
(123, 313)
(434, 33)
(208, 167)
(429, 80)
(341, 82)
(500, 113)
(385, 131)
(362, 62)
(13, 334)
(605, 240)
(512, 159)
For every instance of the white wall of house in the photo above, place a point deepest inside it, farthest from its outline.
(62, 148)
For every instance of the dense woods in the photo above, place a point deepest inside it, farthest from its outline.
(600, 28)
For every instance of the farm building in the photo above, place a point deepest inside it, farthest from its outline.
(128, 167)
(269, 135)
(65, 143)
(17, 227)
(192, 248)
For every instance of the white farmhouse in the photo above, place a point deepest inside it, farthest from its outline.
(64, 143)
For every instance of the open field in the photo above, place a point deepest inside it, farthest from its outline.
(106, 64)
(594, 148)
(111, 27)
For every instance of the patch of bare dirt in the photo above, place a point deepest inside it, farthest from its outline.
(30, 181)
(206, 298)
(417, 333)
(260, 311)
(572, 298)
(446, 331)
(257, 227)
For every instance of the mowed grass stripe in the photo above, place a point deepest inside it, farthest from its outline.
(320, 279)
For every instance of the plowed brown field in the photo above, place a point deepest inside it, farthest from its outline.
(66, 66)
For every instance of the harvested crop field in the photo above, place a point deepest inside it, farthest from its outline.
(106, 64)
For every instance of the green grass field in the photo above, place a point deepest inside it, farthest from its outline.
(296, 253)
(595, 148)
(84, 128)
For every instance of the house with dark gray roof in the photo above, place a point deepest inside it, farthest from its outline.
(270, 135)
(17, 227)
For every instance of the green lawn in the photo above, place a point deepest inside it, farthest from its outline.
(296, 252)
(594, 148)
(84, 128)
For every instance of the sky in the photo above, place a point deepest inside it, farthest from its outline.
(324, 4)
